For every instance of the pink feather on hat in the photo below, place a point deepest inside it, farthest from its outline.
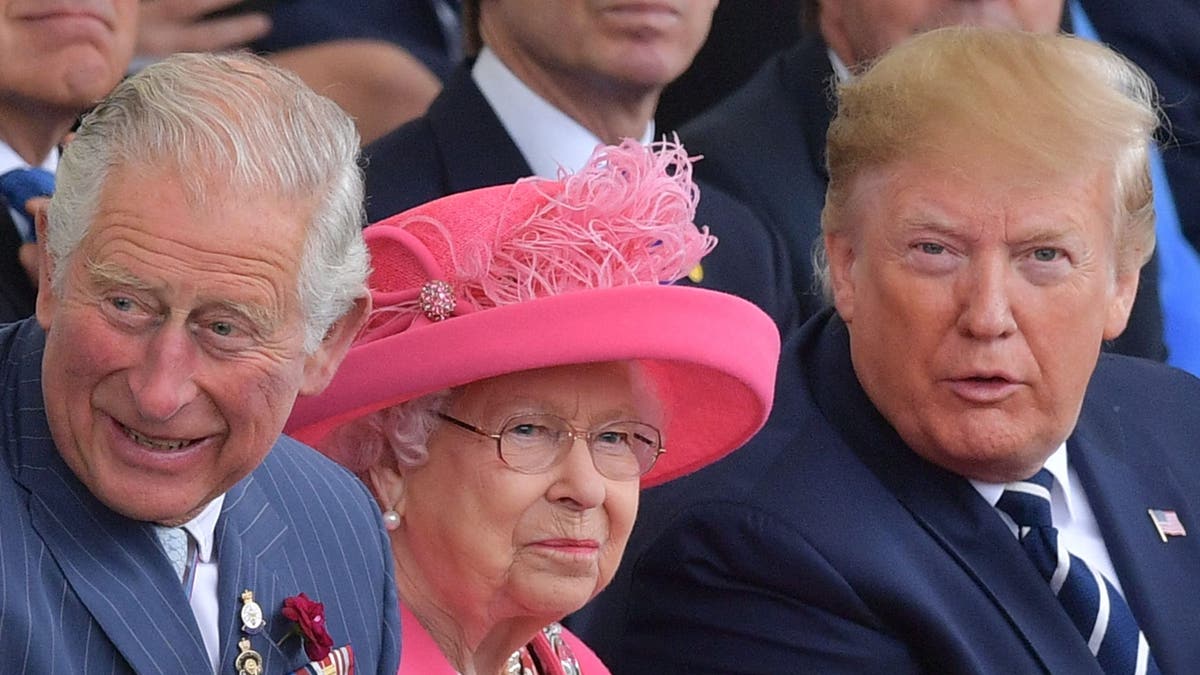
(626, 218)
(515, 277)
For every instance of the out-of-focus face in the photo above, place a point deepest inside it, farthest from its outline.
(862, 30)
(174, 350)
(977, 302)
(489, 543)
(63, 54)
(605, 44)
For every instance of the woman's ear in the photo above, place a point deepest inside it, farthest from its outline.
(387, 483)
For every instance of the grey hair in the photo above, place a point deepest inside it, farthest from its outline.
(400, 431)
(229, 125)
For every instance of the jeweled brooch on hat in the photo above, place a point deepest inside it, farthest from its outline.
(437, 300)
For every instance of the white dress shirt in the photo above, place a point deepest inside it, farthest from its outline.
(547, 137)
(1072, 514)
(202, 528)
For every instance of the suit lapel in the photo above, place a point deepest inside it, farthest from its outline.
(112, 563)
(946, 506)
(1160, 579)
(252, 543)
(476, 150)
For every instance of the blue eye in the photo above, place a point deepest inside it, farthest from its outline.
(1047, 254)
(122, 304)
(522, 430)
(611, 438)
(529, 431)
(222, 328)
(931, 248)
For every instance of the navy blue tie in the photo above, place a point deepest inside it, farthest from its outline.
(1093, 604)
(19, 186)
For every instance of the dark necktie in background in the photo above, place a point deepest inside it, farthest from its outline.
(19, 186)
(1093, 603)
(449, 14)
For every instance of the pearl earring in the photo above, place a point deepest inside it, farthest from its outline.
(391, 520)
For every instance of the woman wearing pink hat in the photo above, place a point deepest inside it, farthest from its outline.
(527, 362)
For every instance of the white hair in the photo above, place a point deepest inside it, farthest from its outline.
(400, 431)
(228, 124)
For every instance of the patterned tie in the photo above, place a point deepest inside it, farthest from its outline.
(19, 186)
(1092, 603)
(181, 551)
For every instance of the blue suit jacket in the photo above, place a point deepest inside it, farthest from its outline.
(86, 590)
(827, 546)
(461, 145)
(765, 146)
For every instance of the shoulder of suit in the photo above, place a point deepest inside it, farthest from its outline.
(331, 481)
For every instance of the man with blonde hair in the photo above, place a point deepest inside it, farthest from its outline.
(955, 479)
(765, 143)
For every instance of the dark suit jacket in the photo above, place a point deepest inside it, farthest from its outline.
(85, 590)
(461, 145)
(827, 546)
(17, 295)
(765, 145)
(1161, 37)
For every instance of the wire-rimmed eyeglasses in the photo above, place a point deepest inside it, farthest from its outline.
(532, 443)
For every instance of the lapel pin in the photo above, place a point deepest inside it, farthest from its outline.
(252, 615)
(248, 662)
(1166, 521)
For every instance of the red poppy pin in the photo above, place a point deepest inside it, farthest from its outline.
(309, 616)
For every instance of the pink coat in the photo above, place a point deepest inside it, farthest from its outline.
(420, 655)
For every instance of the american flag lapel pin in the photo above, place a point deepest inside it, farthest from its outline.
(1166, 521)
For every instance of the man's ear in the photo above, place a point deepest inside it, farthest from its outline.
(1121, 303)
(320, 366)
(840, 254)
(47, 299)
(387, 484)
(832, 25)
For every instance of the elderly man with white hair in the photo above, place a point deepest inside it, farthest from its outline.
(201, 265)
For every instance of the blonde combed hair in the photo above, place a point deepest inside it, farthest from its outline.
(1058, 104)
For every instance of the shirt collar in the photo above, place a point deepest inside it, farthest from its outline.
(203, 528)
(547, 137)
(10, 160)
(839, 66)
(1056, 464)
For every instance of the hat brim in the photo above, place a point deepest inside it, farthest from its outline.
(712, 358)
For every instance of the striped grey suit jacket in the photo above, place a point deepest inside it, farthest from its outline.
(86, 590)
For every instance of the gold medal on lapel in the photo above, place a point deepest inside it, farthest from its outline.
(252, 616)
(248, 662)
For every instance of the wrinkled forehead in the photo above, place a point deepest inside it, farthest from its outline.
(609, 387)
(977, 188)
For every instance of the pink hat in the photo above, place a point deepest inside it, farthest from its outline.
(546, 273)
